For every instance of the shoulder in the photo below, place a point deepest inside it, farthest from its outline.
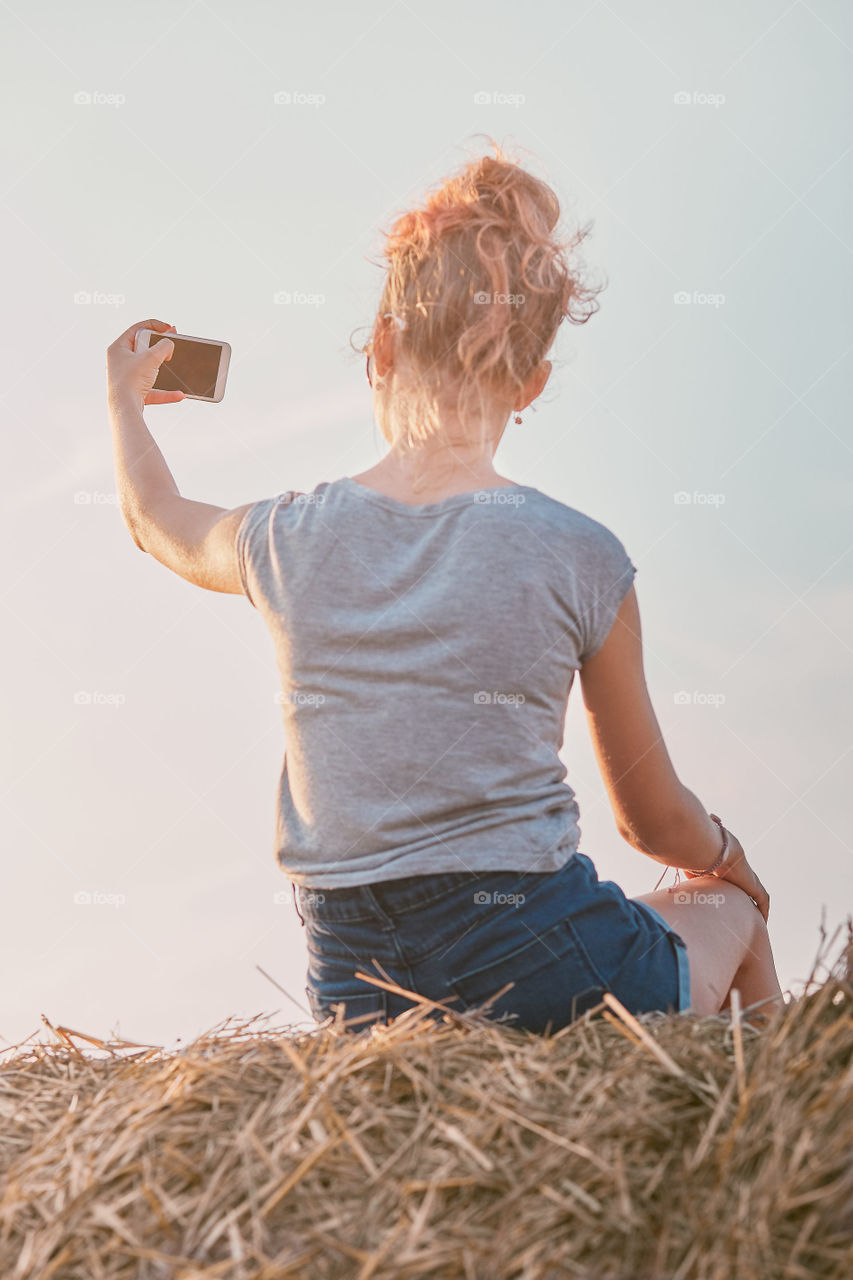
(292, 504)
(568, 524)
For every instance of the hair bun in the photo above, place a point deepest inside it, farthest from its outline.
(478, 281)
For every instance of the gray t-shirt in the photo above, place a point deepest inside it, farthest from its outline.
(426, 656)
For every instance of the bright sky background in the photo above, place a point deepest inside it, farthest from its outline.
(182, 190)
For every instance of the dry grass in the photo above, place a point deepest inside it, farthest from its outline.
(664, 1148)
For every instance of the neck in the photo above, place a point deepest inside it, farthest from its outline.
(433, 471)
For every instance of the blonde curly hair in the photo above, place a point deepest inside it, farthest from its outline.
(477, 284)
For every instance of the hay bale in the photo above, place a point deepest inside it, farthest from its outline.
(657, 1148)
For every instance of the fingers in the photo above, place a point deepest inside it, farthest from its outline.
(759, 894)
(126, 339)
(160, 326)
(162, 350)
(763, 900)
(164, 397)
(743, 877)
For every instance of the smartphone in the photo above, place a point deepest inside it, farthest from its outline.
(198, 367)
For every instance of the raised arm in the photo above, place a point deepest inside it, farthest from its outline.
(194, 539)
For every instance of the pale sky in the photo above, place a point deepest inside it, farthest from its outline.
(148, 170)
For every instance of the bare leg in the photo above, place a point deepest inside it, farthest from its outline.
(727, 944)
(757, 980)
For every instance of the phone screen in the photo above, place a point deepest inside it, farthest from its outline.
(192, 368)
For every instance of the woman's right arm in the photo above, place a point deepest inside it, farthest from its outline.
(652, 808)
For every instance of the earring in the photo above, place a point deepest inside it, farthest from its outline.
(517, 418)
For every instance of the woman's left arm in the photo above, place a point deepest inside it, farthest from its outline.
(193, 539)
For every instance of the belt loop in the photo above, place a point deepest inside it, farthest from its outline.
(296, 903)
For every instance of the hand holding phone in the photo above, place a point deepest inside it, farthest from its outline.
(197, 367)
(198, 372)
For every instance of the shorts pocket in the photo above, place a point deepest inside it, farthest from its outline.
(553, 976)
(360, 1011)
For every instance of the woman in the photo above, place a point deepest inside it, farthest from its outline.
(429, 615)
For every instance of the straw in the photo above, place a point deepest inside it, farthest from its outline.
(623, 1147)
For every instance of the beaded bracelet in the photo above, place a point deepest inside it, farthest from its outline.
(722, 856)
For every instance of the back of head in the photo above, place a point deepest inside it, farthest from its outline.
(477, 282)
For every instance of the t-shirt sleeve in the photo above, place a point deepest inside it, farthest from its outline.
(610, 573)
(253, 547)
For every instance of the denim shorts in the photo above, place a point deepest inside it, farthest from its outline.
(562, 938)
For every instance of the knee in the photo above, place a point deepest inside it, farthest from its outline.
(742, 915)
